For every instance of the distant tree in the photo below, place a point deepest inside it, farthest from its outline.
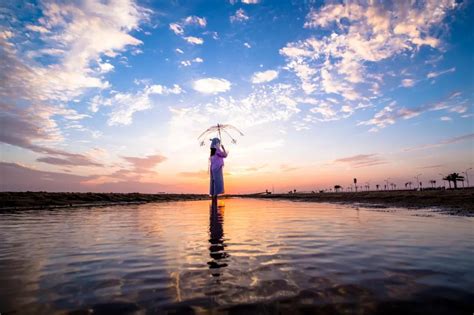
(294, 191)
(454, 177)
(433, 183)
(377, 186)
(337, 187)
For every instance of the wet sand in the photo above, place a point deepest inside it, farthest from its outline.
(449, 201)
(46, 200)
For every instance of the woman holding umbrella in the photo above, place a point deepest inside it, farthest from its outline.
(218, 154)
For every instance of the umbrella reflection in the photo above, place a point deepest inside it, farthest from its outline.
(216, 231)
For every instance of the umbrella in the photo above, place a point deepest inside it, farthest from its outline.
(219, 130)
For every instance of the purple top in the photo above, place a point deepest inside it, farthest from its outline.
(217, 160)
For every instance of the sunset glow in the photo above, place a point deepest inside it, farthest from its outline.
(112, 95)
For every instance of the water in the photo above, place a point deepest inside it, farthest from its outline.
(247, 256)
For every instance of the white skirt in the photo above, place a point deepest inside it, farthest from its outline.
(217, 182)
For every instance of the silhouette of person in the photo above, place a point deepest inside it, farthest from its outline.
(217, 156)
(217, 246)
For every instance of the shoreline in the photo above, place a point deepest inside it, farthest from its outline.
(454, 202)
(17, 201)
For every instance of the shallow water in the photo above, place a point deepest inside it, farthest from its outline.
(247, 256)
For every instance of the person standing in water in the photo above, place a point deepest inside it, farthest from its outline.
(218, 154)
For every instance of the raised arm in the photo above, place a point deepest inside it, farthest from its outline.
(222, 153)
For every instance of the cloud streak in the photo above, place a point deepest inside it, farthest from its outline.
(361, 160)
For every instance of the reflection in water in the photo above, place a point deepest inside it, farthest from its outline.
(274, 257)
(216, 231)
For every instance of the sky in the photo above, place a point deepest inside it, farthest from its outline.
(112, 95)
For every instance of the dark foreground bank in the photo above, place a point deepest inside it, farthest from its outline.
(456, 202)
(42, 200)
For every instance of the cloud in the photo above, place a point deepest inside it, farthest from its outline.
(435, 74)
(264, 76)
(361, 160)
(350, 37)
(144, 164)
(391, 113)
(195, 20)
(251, 1)
(79, 31)
(37, 28)
(460, 109)
(32, 127)
(24, 178)
(247, 45)
(211, 85)
(187, 63)
(265, 104)
(194, 40)
(176, 28)
(179, 51)
(197, 174)
(124, 104)
(239, 16)
(179, 27)
(466, 137)
(71, 160)
(446, 118)
(408, 82)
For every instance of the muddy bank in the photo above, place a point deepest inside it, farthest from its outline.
(47, 200)
(457, 202)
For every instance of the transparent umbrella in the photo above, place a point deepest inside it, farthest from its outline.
(220, 131)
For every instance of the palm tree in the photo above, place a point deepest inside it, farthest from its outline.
(337, 187)
(454, 177)
(377, 186)
(433, 183)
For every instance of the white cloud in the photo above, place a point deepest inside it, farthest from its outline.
(187, 63)
(179, 51)
(37, 28)
(179, 27)
(239, 16)
(336, 63)
(211, 85)
(265, 104)
(359, 34)
(194, 40)
(176, 28)
(251, 1)
(435, 74)
(247, 45)
(446, 118)
(264, 76)
(195, 20)
(408, 82)
(460, 109)
(124, 105)
(79, 34)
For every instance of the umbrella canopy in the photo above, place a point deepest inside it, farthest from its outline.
(220, 131)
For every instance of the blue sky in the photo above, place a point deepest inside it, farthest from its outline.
(111, 95)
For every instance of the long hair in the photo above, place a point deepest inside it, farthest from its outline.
(213, 151)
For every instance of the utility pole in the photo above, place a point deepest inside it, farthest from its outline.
(467, 176)
(417, 177)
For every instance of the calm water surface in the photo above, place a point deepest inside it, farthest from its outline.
(247, 256)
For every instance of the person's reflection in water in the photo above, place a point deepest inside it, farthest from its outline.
(217, 248)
